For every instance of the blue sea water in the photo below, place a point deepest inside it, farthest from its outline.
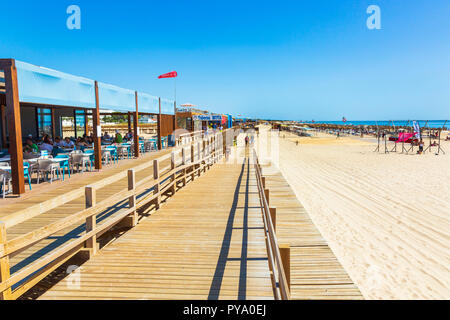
(422, 123)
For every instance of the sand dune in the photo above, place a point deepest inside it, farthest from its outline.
(386, 217)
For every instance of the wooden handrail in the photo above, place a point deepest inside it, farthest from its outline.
(163, 180)
(280, 282)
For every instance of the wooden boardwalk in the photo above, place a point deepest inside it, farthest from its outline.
(30, 205)
(207, 242)
(315, 271)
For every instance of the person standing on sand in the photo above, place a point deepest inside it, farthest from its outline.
(420, 147)
(246, 141)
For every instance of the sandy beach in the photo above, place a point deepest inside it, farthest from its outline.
(385, 216)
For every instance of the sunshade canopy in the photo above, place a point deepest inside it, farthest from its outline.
(46, 86)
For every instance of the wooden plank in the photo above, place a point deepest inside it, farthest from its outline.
(208, 242)
(315, 272)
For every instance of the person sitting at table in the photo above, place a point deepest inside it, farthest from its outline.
(47, 145)
(106, 137)
(30, 146)
(58, 142)
(81, 143)
(67, 143)
(89, 140)
(118, 138)
(129, 136)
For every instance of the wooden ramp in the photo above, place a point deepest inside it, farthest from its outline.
(315, 271)
(207, 242)
(73, 188)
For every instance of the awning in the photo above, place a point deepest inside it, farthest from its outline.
(47, 86)
(50, 87)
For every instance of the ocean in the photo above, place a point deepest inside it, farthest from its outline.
(397, 123)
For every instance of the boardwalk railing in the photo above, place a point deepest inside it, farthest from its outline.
(278, 256)
(190, 137)
(164, 181)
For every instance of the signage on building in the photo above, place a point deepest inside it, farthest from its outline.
(207, 118)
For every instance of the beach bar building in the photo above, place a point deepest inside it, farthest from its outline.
(34, 99)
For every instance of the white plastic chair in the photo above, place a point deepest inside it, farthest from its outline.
(46, 167)
(5, 177)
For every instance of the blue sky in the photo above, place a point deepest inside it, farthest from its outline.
(301, 59)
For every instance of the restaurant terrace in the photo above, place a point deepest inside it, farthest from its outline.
(35, 99)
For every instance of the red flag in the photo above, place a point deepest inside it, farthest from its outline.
(172, 74)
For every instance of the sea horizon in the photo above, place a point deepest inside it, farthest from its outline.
(422, 123)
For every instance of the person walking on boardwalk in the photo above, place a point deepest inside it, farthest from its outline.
(246, 141)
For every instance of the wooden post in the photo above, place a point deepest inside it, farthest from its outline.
(97, 131)
(54, 124)
(136, 128)
(183, 162)
(172, 167)
(133, 217)
(267, 194)
(4, 263)
(224, 143)
(183, 156)
(156, 177)
(14, 124)
(3, 121)
(204, 149)
(285, 252)
(192, 162)
(204, 155)
(273, 217)
(91, 222)
(159, 126)
(213, 148)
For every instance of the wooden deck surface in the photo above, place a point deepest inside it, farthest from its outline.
(79, 181)
(207, 242)
(315, 271)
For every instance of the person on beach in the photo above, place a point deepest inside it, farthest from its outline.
(420, 147)
(246, 141)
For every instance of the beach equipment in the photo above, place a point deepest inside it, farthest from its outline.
(404, 137)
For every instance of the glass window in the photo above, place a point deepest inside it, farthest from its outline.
(44, 121)
(80, 123)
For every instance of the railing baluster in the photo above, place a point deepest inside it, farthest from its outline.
(157, 185)
(285, 252)
(183, 162)
(91, 221)
(4, 263)
(174, 176)
(273, 216)
(133, 217)
(192, 162)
